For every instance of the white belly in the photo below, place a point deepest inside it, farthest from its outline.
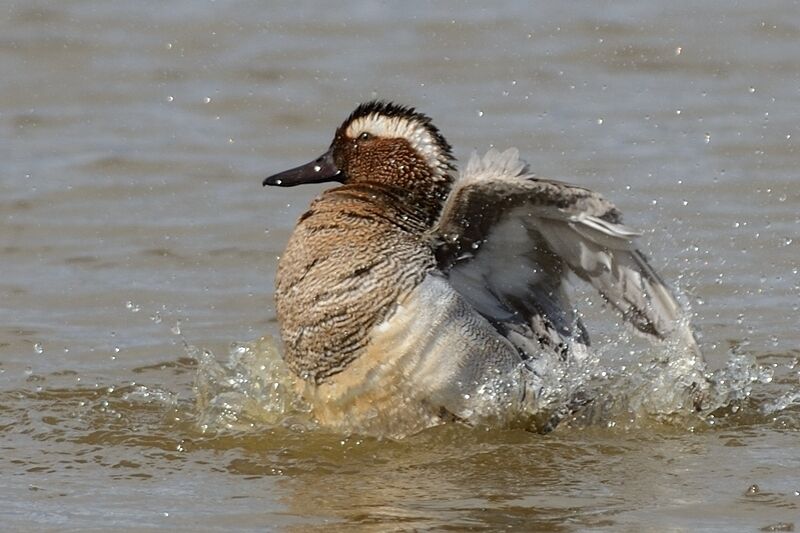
(433, 357)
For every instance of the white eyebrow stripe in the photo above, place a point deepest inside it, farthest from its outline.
(414, 132)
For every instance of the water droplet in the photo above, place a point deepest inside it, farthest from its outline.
(480, 113)
(170, 98)
(317, 168)
(132, 307)
(751, 90)
(678, 50)
(779, 526)
(176, 329)
(753, 489)
(207, 100)
(38, 348)
(707, 138)
(599, 121)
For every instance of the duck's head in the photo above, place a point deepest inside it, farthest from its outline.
(379, 142)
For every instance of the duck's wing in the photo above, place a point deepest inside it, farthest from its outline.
(506, 240)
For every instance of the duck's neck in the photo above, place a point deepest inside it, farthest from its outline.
(417, 200)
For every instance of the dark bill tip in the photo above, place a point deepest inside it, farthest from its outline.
(320, 170)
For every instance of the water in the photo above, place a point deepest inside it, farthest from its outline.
(138, 255)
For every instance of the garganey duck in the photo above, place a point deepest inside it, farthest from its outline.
(408, 296)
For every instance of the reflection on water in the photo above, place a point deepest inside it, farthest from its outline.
(134, 228)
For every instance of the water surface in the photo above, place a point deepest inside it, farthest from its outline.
(136, 236)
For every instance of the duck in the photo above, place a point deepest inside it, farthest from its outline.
(411, 295)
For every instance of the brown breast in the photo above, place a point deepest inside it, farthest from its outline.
(357, 251)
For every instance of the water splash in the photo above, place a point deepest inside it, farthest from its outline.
(782, 403)
(669, 387)
(252, 389)
(611, 387)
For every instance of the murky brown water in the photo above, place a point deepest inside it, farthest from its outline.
(135, 234)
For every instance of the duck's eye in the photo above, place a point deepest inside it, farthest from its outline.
(365, 136)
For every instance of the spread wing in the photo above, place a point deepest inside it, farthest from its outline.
(507, 239)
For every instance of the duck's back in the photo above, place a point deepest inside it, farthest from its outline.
(353, 255)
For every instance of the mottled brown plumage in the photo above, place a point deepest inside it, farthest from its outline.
(359, 249)
(352, 256)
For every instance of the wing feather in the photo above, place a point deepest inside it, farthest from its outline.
(480, 245)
